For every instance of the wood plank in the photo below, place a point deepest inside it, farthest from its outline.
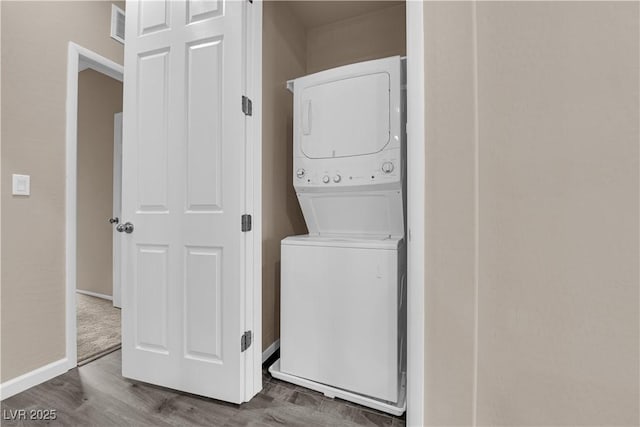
(96, 394)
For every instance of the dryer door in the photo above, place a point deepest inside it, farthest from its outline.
(345, 117)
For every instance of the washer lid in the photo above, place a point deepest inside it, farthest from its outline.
(345, 117)
(391, 243)
(355, 213)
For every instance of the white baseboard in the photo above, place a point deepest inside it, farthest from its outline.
(45, 373)
(33, 378)
(95, 294)
(270, 350)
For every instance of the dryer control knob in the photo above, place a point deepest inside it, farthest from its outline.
(325, 179)
(387, 167)
(337, 178)
(300, 173)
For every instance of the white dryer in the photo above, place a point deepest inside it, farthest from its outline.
(348, 147)
(342, 291)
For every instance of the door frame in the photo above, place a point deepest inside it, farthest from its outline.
(116, 291)
(415, 213)
(253, 257)
(78, 59)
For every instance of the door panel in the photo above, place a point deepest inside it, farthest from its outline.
(198, 10)
(204, 126)
(150, 298)
(154, 15)
(202, 304)
(184, 192)
(152, 79)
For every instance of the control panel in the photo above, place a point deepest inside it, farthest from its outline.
(382, 168)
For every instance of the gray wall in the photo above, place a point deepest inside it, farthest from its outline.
(532, 193)
(34, 38)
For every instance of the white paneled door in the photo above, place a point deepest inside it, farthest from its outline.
(184, 195)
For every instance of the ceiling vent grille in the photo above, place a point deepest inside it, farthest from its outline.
(117, 23)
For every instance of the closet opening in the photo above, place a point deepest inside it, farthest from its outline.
(362, 110)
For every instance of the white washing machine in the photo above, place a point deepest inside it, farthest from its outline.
(342, 292)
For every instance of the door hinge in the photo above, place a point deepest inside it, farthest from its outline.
(247, 107)
(246, 222)
(245, 341)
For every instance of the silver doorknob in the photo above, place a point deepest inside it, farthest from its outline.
(114, 220)
(127, 227)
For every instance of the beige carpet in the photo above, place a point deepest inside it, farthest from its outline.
(98, 327)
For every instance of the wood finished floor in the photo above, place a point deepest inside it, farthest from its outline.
(99, 327)
(97, 395)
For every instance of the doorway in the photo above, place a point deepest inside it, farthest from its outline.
(301, 38)
(94, 101)
(99, 141)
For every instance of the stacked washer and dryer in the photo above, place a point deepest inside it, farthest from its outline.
(343, 293)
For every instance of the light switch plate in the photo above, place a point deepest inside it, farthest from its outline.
(21, 185)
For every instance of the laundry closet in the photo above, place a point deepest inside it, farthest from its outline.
(301, 38)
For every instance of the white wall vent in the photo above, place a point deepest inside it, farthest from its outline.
(117, 23)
